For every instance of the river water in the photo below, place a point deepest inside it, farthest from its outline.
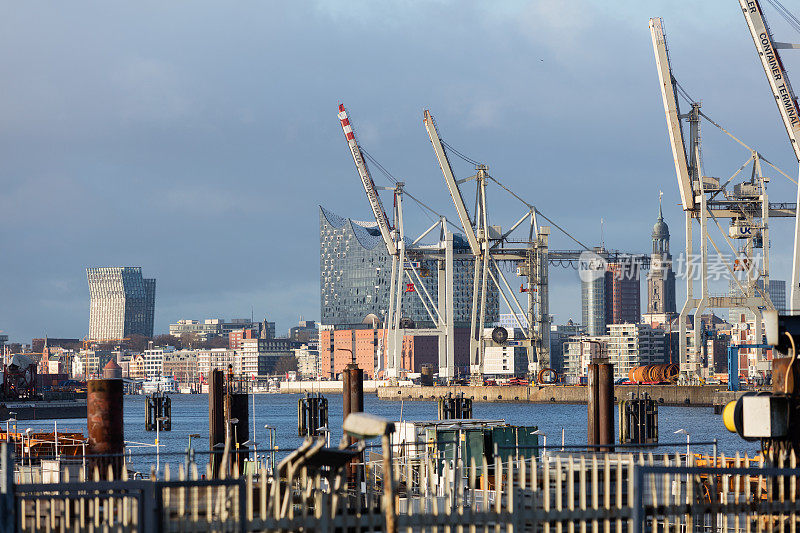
(190, 415)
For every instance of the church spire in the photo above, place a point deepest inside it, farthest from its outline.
(660, 215)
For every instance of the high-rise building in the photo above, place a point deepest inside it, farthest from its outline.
(355, 277)
(121, 302)
(623, 300)
(777, 293)
(593, 304)
(661, 280)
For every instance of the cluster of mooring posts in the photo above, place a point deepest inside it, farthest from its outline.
(158, 411)
(638, 420)
(455, 407)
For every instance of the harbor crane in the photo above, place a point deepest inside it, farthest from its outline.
(706, 199)
(488, 246)
(786, 101)
(440, 311)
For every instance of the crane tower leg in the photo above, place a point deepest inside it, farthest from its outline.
(449, 301)
(690, 301)
(794, 304)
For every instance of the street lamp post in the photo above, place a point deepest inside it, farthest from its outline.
(190, 452)
(254, 444)
(159, 420)
(542, 434)
(327, 432)
(30, 459)
(270, 434)
(12, 417)
(352, 357)
(226, 453)
(684, 432)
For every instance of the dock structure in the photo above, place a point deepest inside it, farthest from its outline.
(670, 395)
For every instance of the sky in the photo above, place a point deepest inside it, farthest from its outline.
(196, 139)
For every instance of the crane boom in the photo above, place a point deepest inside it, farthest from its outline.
(669, 95)
(786, 101)
(452, 186)
(369, 185)
(773, 68)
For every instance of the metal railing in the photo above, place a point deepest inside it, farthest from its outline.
(562, 493)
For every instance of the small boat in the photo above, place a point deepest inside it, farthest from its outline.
(165, 384)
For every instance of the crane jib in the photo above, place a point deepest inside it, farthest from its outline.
(369, 186)
(775, 65)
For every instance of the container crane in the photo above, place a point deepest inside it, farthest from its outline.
(440, 311)
(486, 245)
(706, 199)
(786, 101)
(669, 93)
(369, 186)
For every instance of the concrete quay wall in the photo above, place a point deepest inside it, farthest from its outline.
(673, 395)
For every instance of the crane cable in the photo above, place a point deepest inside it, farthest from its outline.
(459, 154)
(473, 162)
(787, 15)
(423, 207)
(531, 206)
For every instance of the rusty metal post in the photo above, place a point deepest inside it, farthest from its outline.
(353, 397)
(605, 405)
(104, 421)
(346, 410)
(356, 388)
(593, 428)
(216, 417)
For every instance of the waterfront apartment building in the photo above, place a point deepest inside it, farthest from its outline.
(355, 277)
(181, 365)
(259, 357)
(626, 346)
(121, 302)
(154, 359)
(632, 345)
(217, 358)
(578, 353)
(308, 366)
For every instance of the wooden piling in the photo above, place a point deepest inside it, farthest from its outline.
(216, 417)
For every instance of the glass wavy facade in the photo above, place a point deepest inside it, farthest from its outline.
(355, 272)
(121, 302)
